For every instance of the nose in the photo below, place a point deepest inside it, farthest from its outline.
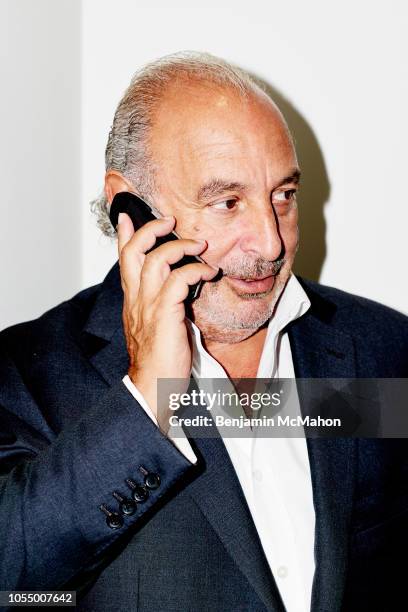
(261, 235)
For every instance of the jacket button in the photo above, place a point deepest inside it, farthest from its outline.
(126, 506)
(152, 481)
(113, 519)
(139, 492)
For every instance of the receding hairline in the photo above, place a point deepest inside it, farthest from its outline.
(197, 81)
(187, 82)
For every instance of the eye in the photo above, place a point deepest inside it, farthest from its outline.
(225, 205)
(283, 197)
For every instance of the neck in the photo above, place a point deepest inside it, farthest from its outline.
(240, 359)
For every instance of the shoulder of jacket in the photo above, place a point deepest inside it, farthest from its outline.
(358, 315)
(53, 327)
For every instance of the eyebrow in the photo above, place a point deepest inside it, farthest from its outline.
(216, 186)
(293, 177)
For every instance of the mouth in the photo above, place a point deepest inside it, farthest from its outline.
(252, 285)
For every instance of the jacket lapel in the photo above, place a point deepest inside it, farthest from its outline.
(320, 351)
(219, 495)
(102, 337)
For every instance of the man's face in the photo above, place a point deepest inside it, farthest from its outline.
(227, 170)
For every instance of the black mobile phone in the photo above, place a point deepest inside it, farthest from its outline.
(140, 212)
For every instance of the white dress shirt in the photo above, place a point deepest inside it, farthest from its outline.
(274, 473)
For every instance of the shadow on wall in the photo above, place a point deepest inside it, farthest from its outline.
(314, 192)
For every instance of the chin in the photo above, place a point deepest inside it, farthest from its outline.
(221, 310)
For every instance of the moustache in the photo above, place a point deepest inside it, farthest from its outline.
(252, 270)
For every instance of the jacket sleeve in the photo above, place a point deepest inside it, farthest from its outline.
(52, 530)
(180, 440)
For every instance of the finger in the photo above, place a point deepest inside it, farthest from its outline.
(172, 251)
(156, 267)
(132, 253)
(145, 237)
(125, 230)
(176, 287)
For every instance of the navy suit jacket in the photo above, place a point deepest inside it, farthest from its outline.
(71, 434)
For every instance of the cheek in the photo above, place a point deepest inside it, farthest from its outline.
(220, 243)
(288, 229)
(290, 238)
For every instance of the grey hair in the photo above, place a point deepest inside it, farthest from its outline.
(127, 149)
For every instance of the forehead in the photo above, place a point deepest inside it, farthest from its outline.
(200, 128)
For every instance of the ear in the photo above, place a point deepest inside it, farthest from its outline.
(116, 182)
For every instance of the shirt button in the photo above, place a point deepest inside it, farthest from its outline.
(282, 571)
(258, 475)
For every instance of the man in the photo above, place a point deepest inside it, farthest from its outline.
(217, 525)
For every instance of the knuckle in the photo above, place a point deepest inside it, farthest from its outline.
(160, 311)
(152, 257)
(146, 276)
(178, 273)
(125, 252)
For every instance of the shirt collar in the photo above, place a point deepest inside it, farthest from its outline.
(292, 304)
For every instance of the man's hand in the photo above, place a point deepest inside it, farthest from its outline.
(153, 309)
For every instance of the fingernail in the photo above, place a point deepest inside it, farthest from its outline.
(201, 241)
(168, 217)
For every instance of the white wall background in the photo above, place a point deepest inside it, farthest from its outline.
(40, 111)
(337, 68)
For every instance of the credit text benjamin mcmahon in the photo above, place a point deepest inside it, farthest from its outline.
(241, 421)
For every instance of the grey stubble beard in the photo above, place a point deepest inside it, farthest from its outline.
(227, 326)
